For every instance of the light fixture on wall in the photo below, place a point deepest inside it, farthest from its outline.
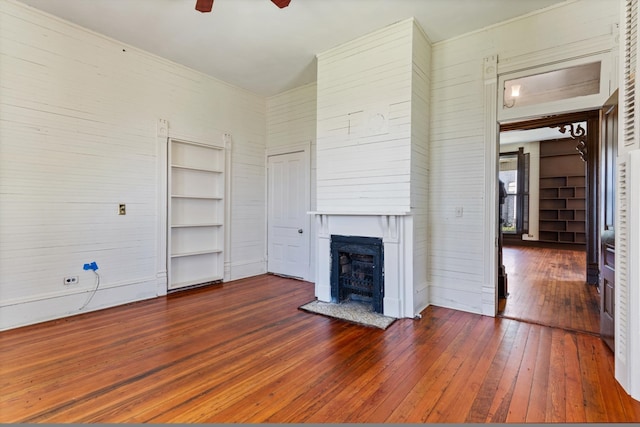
(515, 92)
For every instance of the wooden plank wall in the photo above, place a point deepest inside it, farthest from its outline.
(364, 121)
(79, 114)
(420, 95)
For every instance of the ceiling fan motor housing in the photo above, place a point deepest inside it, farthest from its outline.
(281, 3)
(206, 5)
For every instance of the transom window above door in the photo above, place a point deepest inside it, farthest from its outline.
(540, 91)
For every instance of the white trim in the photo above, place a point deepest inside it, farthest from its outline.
(632, 386)
(162, 141)
(72, 292)
(490, 229)
(209, 143)
(228, 162)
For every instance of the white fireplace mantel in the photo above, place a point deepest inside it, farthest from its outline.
(394, 229)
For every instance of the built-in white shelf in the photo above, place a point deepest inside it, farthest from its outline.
(174, 166)
(213, 251)
(181, 196)
(210, 224)
(195, 213)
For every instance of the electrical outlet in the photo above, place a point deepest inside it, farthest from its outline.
(71, 280)
(122, 209)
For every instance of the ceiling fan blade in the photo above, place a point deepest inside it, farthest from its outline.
(204, 5)
(281, 3)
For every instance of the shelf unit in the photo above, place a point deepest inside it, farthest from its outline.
(562, 194)
(563, 209)
(195, 213)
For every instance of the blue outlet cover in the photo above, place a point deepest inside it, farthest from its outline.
(93, 266)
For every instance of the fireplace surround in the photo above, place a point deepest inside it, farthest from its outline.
(394, 230)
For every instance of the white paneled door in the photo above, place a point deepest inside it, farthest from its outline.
(288, 236)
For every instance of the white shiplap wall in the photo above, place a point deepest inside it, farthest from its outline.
(291, 122)
(420, 94)
(291, 117)
(457, 174)
(372, 147)
(364, 123)
(78, 117)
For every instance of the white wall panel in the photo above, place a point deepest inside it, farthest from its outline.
(364, 115)
(420, 103)
(77, 137)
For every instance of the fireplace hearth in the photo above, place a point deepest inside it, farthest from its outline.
(357, 271)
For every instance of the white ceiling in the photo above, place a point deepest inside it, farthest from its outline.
(257, 46)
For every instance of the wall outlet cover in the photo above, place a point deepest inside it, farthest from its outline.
(71, 280)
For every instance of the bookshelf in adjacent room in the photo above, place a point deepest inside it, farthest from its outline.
(562, 193)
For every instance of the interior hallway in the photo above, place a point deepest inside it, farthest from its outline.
(547, 286)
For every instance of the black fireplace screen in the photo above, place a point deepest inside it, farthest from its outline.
(357, 271)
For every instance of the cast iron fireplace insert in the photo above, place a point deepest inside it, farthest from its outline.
(357, 270)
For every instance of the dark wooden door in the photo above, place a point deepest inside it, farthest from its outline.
(608, 154)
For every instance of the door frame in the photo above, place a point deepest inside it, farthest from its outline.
(592, 175)
(493, 73)
(305, 148)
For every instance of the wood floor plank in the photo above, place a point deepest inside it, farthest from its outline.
(555, 410)
(615, 410)
(519, 404)
(244, 352)
(458, 398)
(499, 409)
(391, 382)
(592, 394)
(490, 386)
(410, 363)
(417, 396)
(349, 396)
(574, 405)
(536, 411)
(548, 286)
(416, 367)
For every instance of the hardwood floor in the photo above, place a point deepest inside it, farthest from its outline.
(548, 286)
(244, 352)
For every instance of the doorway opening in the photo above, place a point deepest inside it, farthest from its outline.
(548, 221)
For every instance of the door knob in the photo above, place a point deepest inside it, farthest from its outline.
(300, 230)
